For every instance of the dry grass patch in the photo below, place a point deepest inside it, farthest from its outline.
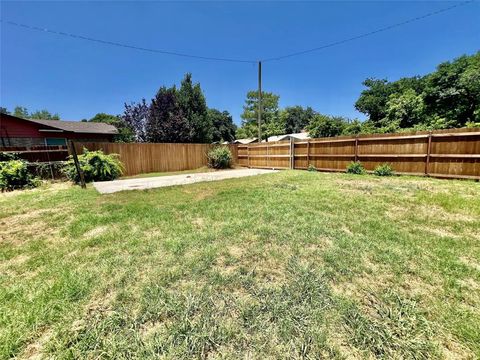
(35, 349)
(470, 262)
(97, 231)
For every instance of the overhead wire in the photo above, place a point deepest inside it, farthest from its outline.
(236, 60)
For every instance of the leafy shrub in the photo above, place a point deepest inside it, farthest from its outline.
(355, 167)
(312, 168)
(4, 156)
(96, 166)
(14, 174)
(219, 158)
(383, 170)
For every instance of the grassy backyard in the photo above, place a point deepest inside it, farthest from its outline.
(288, 265)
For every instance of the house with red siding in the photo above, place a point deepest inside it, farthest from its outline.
(15, 131)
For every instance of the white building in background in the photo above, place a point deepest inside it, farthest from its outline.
(245, 141)
(287, 137)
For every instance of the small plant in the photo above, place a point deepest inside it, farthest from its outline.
(355, 167)
(96, 166)
(383, 170)
(219, 158)
(14, 174)
(6, 156)
(312, 168)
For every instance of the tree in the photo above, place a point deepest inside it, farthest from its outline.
(270, 117)
(326, 126)
(353, 127)
(135, 116)
(453, 90)
(21, 112)
(125, 132)
(4, 110)
(223, 126)
(193, 107)
(373, 100)
(296, 118)
(44, 115)
(166, 121)
(405, 110)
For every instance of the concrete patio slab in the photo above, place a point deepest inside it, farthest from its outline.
(108, 187)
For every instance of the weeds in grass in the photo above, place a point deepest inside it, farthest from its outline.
(390, 327)
(275, 266)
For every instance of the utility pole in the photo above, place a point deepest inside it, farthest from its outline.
(259, 116)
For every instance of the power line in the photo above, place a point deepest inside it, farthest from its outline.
(368, 33)
(174, 53)
(113, 43)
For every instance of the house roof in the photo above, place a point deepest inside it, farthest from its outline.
(77, 126)
(245, 141)
(297, 136)
(71, 126)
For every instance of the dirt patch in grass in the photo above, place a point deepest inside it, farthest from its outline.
(471, 263)
(97, 231)
(452, 350)
(198, 223)
(438, 213)
(15, 261)
(18, 229)
(199, 194)
(34, 350)
(439, 231)
(470, 284)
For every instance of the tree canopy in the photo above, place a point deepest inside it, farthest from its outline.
(270, 115)
(22, 112)
(178, 115)
(125, 133)
(448, 97)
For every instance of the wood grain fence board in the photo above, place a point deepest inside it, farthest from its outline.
(451, 153)
(139, 158)
(443, 153)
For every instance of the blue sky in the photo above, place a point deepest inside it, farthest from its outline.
(78, 78)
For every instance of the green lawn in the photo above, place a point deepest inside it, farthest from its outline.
(287, 265)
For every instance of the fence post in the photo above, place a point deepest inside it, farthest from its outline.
(308, 153)
(356, 148)
(77, 164)
(429, 149)
(292, 153)
(267, 155)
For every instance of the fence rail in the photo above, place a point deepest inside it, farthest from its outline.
(453, 153)
(38, 153)
(141, 158)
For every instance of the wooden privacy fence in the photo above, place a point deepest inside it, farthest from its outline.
(453, 153)
(141, 158)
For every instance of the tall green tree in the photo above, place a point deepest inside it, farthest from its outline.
(326, 126)
(296, 118)
(448, 97)
(21, 112)
(405, 110)
(193, 106)
(453, 90)
(44, 115)
(271, 124)
(223, 126)
(165, 121)
(125, 132)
